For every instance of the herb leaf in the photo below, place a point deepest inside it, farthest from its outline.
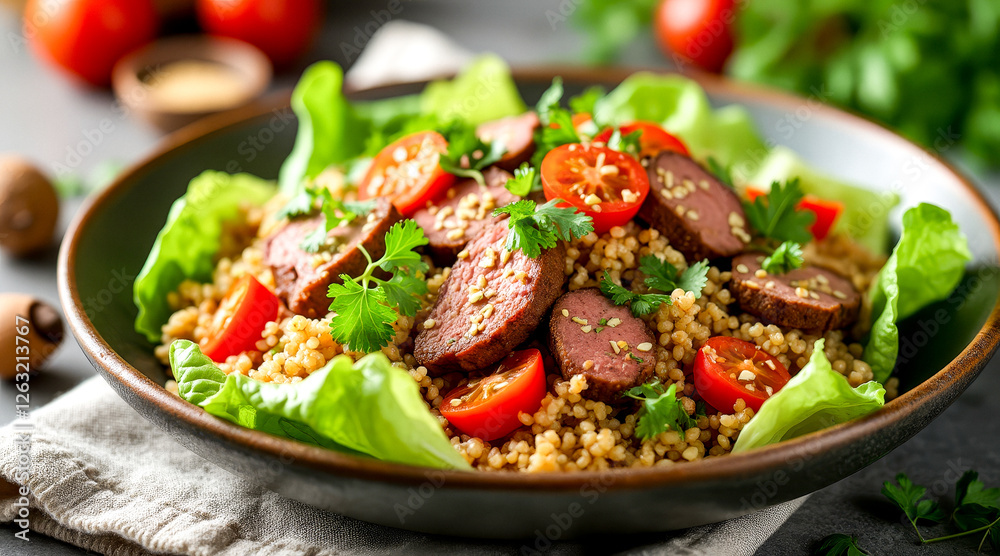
(724, 173)
(839, 544)
(628, 144)
(970, 490)
(585, 102)
(526, 179)
(336, 212)
(660, 411)
(467, 154)
(665, 277)
(364, 314)
(639, 303)
(774, 215)
(556, 123)
(910, 498)
(787, 257)
(533, 228)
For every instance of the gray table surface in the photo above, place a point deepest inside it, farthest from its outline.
(47, 118)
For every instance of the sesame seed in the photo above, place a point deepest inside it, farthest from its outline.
(623, 344)
(475, 297)
(735, 220)
(463, 254)
(770, 363)
(680, 210)
(609, 170)
(456, 402)
(645, 346)
(481, 282)
(487, 310)
(429, 323)
(747, 374)
(670, 178)
(761, 273)
(742, 268)
(613, 322)
(588, 364)
(592, 199)
(505, 256)
(666, 193)
(457, 233)
(565, 312)
(521, 276)
(769, 284)
(692, 215)
(814, 295)
(770, 390)
(614, 346)
(751, 285)
(750, 387)
(689, 185)
(704, 184)
(489, 259)
(586, 329)
(476, 319)
(801, 292)
(474, 329)
(490, 292)
(839, 294)
(578, 320)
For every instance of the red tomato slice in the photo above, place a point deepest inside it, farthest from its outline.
(487, 408)
(727, 369)
(826, 211)
(605, 184)
(240, 319)
(697, 32)
(652, 140)
(408, 171)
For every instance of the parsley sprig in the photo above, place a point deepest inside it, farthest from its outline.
(467, 154)
(557, 123)
(336, 212)
(526, 179)
(785, 258)
(534, 228)
(661, 276)
(774, 215)
(660, 411)
(366, 306)
(839, 544)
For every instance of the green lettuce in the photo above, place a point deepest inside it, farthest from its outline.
(187, 245)
(866, 213)
(484, 91)
(925, 267)
(814, 399)
(368, 407)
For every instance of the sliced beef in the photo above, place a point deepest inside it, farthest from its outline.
(517, 134)
(583, 346)
(700, 216)
(462, 213)
(302, 279)
(489, 304)
(810, 298)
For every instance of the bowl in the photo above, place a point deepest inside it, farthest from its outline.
(175, 81)
(112, 234)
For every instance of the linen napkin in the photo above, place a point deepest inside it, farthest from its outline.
(104, 479)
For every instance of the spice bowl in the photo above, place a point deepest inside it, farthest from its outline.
(175, 81)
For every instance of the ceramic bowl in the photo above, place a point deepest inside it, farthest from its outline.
(944, 347)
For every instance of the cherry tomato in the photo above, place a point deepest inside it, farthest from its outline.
(488, 408)
(87, 37)
(605, 184)
(652, 138)
(240, 319)
(727, 369)
(408, 171)
(696, 31)
(826, 211)
(283, 29)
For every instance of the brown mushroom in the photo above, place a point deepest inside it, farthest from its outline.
(30, 324)
(29, 207)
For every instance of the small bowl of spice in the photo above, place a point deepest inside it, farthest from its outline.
(175, 81)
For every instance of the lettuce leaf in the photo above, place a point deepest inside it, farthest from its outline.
(330, 130)
(484, 91)
(187, 245)
(814, 399)
(866, 213)
(926, 265)
(368, 407)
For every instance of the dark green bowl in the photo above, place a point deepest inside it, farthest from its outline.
(945, 346)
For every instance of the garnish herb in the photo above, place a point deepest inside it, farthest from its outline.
(661, 276)
(774, 215)
(336, 212)
(366, 306)
(467, 154)
(724, 173)
(585, 102)
(634, 357)
(533, 228)
(839, 544)
(557, 123)
(639, 303)
(526, 179)
(786, 258)
(628, 144)
(660, 411)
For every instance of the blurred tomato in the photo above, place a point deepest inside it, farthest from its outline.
(87, 37)
(283, 29)
(697, 31)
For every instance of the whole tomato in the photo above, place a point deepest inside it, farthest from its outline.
(87, 37)
(283, 29)
(697, 31)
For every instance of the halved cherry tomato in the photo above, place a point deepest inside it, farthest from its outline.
(408, 171)
(699, 32)
(652, 140)
(826, 211)
(240, 319)
(605, 184)
(488, 408)
(727, 369)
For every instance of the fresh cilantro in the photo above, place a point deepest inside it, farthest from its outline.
(839, 544)
(774, 215)
(660, 411)
(526, 179)
(634, 357)
(585, 102)
(786, 258)
(910, 498)
(663, 276)
(556, 123)
(467, 154)
(533, 228)
(724, 173)
(639, 303)
(628, 144)
(336, 212)
(366, 306)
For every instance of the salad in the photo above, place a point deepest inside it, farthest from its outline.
(607, 280)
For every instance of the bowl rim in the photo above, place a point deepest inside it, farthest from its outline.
(962, 369)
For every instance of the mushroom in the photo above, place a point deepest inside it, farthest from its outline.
(29, 207)
(26, 322)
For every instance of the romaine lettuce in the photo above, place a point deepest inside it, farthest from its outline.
(816, 398)
(484, 91)
(925, 267)
(187, 245)
(368, 407)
